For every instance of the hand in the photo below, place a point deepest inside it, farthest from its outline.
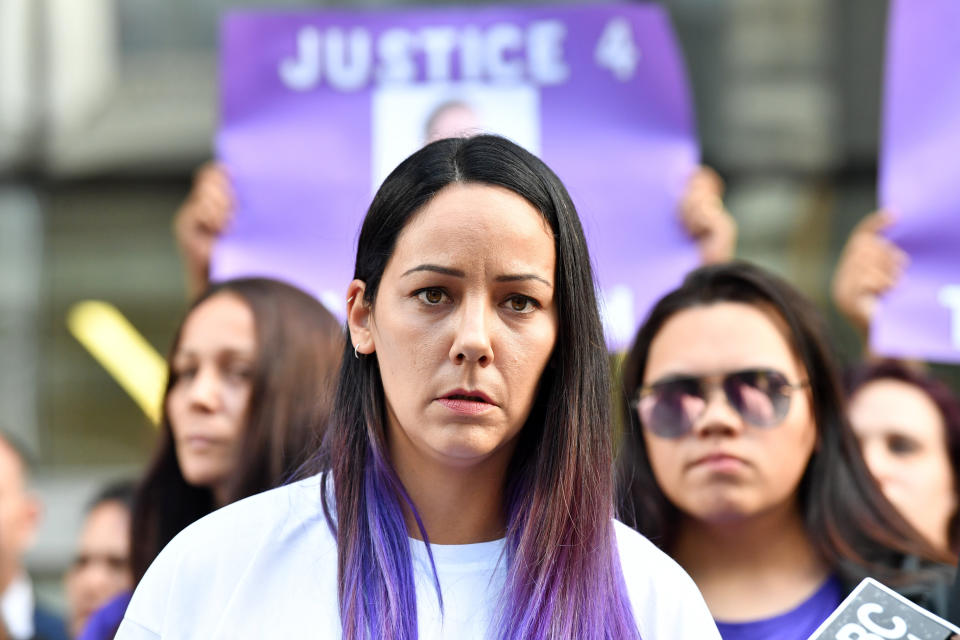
(706, 219)
(869, 266)
(201, 219)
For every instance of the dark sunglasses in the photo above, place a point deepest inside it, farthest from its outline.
(669, 408)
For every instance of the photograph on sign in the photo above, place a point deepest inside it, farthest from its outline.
(407, 117)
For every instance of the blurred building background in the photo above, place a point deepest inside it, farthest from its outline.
(108, 106)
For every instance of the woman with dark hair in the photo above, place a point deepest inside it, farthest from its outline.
(908, 424)
(101, 566)
(739, 461)
(466, 489)
(252, 369)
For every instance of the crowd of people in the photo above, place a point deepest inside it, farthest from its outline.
(448, 465)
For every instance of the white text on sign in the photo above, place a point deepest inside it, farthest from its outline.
(870, 630)
(950, 298)
(352, 59)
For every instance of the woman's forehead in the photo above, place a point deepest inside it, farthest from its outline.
(722, 336)
(223, 321)
(471, 223)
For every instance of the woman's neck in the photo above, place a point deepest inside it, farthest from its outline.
(221, 495)
(459, 505)
(751, 568)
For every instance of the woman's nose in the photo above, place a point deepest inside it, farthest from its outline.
(717, 416)
(877, 459)
(205, 389)
(472, 340)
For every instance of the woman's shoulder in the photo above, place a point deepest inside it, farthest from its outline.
(223, 560)
(269, 516)
(666, 602)
(642, 559)
(270, 512)
(634, 546)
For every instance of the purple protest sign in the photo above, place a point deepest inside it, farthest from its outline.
(319, 106)
(918, 180)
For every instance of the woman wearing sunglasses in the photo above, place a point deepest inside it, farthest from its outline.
(740, 464)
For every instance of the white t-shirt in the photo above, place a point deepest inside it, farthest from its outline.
(266, 567)
(17, 608)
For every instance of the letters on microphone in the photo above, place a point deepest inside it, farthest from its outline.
(875, 612)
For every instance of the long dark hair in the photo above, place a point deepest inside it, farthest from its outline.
(947, 403)
(298, 351)
(563, 571)
(851, 524)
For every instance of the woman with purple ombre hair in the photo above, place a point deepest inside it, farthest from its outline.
(464, 488)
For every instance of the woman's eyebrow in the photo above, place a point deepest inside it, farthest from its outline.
(436, 269)
(233, 352)
(522, 276)
(460, 274)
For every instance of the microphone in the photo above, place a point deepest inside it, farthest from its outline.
(873, 611)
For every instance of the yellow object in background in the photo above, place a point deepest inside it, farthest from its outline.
(122, 351)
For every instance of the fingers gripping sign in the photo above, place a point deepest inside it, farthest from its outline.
(705, 217)
(869, 266)
(201, 220)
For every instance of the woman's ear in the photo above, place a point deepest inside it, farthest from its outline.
(359, 316)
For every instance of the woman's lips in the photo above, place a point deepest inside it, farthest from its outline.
(467, 402)
(200, 442)
(464, 406)
(719, 462)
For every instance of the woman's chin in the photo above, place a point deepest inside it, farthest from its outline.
(469, 452)
(721, 510)
(201, 477)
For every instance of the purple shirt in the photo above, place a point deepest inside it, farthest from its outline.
(796, 624)
(103, 624)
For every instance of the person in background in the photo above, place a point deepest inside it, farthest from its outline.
(903, 417)
(740, 463)
(907, 422)
(251, 374)
(22, 617)
(101, 564)
(908, 425)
